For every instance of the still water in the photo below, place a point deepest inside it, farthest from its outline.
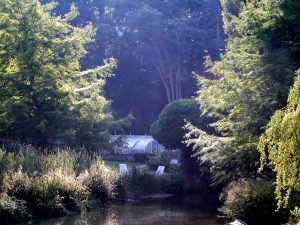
(135, 214)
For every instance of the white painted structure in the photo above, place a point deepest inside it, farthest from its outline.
(236, 222)
(123, 169)
(160, 170)
(140, 144)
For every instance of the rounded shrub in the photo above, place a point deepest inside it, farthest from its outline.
(252, 201)
(13, 210)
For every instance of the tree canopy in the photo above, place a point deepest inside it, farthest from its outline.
(157, 43)
(169, 130)
(250, 82)
(45, 96)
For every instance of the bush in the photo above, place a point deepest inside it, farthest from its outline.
(101, 182)
(173, 183)
(295, 217)
(57, 182)
(53, 194)
(294, 203)
(49, 208)
(122, 187)
(159, 160)
(143, 182)
(12, 210)
(252, 201)
(141, 157)
(18, 185)
(7, 162)
(36, 160)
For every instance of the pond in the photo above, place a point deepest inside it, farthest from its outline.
(137, 214)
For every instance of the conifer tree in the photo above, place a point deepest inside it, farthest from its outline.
(44, 94)
(250, 82)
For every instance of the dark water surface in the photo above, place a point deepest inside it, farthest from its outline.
(135, 214)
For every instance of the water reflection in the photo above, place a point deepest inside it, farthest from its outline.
(136, 215)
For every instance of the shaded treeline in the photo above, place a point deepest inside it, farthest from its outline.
(157, 43)
(253, 80)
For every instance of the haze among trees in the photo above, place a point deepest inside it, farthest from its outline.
(158, 44)
(217, 79)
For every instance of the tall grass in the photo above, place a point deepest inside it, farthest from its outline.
(39, 183)
(42, 183)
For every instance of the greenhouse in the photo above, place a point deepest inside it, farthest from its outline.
(140, 144)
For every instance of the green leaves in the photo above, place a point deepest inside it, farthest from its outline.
(250, 82)
(44, 94)
(279, 146)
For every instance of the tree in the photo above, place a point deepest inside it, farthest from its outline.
(129, 29)
(171, 43)
(44, 95)
(250, 82)
(169, 130)
(279, 146)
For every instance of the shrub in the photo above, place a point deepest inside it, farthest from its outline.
(51, 194)
(295, 217)
(173, 183)
(252, 201)
(70, 185)
(57, 182)
(101, 182)
(122, 187)
(33, 160)
(159, 160)
(17, 185)
(141, 157)
(141, 182)
(7, 162)
(49, 208)
(294, 209)
(12, 210)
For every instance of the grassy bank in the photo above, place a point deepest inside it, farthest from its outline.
(36, 183)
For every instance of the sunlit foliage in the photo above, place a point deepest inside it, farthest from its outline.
(250, 82)
(280, 146)
(45, 97)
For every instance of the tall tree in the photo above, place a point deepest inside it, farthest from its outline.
(157, 43)
(171, 42)
(251, 81)
(44, 95)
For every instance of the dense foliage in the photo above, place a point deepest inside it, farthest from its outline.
(157, 43)
(279, 146)
(169, 130)
(36, 183)
(250, 82)
(243, 198)
(40, 184)
(45, 97)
